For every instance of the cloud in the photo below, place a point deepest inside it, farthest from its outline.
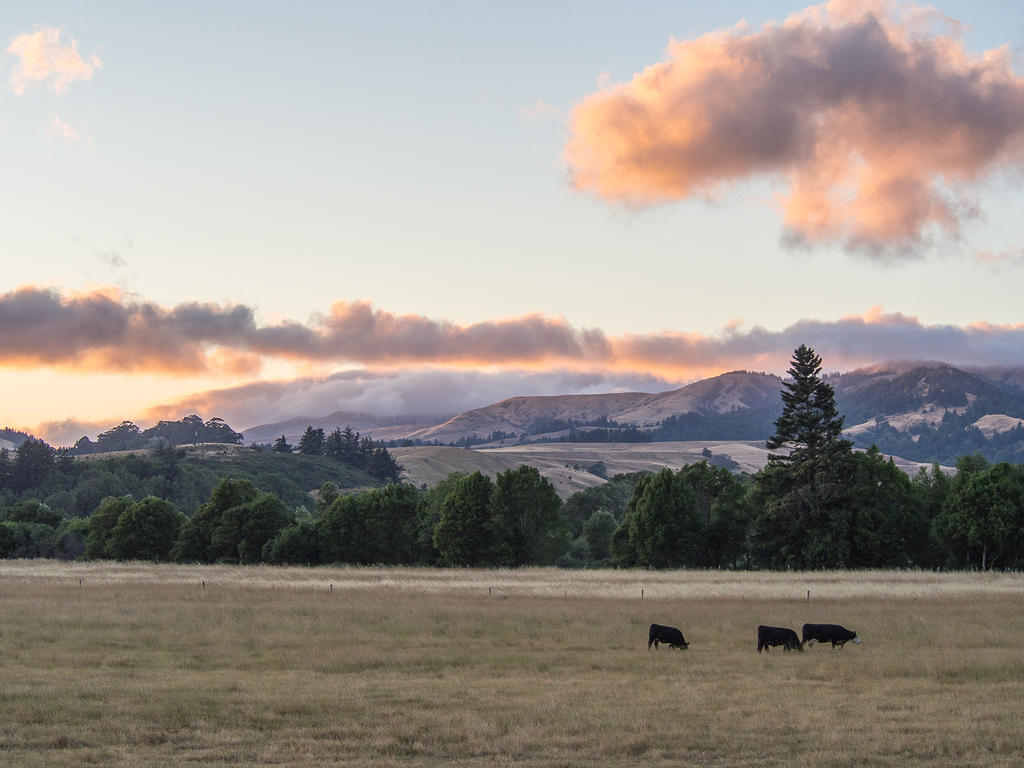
(103, 330)
(537, 111)
(69, 431)
(42, 56)
(872, 337)
(878, 125)
(421, 393)
(60, 128)
(998, 259)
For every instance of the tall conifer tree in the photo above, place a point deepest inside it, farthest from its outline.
(809, 419)
(805, 520)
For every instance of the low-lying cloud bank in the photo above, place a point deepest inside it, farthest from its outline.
(104, 331)
(431, 394)
(879, 122)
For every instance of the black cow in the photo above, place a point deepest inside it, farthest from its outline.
(829, 633)
(767, 637)
(667, 635)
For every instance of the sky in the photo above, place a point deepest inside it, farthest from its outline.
(257, 212)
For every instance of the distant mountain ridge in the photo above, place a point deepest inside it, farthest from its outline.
(921, 410)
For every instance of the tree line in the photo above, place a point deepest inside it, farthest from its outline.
(349, 447)
(816, 504)
(127, 436)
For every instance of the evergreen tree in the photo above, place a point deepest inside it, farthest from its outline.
(33, 464)
(281, 445)
(349, 446)
(333, 444)
(809, 422)
(312, 442)
(5, 468)
(805, 515)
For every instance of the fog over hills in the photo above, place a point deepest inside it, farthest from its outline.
(923, 411)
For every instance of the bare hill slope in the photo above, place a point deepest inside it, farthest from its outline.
(521, 415)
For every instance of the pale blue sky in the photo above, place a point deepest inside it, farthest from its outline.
(290, 155)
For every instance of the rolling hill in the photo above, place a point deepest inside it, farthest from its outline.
(923, 411)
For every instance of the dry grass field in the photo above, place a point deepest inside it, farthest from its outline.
(141, 665)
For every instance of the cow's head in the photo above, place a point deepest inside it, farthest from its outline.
(856, 638)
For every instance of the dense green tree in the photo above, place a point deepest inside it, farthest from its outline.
(167, 459)
(720, 498)
(70, 540)
(428, 515)
(32, 511)
(325, 498)
(612, 497)
(312, 442)
(33, 464)
(244, 529)
(377, 526)
(527, 520)
(888, 524)
(101, 526)
(146, 530)
(465, 532)
(5, 468)
(804, 519)
(664, 522)
(621, 549)
(809, 421)
(281, 445)
(333, 444)
(597, 533)
(349, 453)
(126, 436)
(196, 544)
(295, 544)
(383, 466)
(24, 540)
(983, 520)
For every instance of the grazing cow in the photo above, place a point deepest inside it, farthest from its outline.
(829, 633)
(667, 635)
(772, 636)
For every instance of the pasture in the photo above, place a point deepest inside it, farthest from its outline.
(142, 665)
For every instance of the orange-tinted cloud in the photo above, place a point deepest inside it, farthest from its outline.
(106, 331)
(42, 56)
(102, 330)
(998, 259)
(878, 124)
(65, 130)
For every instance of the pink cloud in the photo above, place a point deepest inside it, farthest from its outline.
(103, 330)
(878, 126)
(66, 131)
(43, 56)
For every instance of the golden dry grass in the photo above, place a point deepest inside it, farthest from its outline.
(271, 666)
